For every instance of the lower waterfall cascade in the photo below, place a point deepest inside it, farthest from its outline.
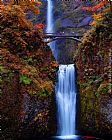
(66, 100)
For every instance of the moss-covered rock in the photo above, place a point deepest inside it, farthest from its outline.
(93, 61)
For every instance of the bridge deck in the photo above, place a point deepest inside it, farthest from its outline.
(51, 36)
(55, 36)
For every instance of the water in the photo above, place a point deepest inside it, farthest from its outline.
(65, 89)
(66, 100)
(50, 26)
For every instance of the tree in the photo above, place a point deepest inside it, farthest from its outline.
(27, 4)
(98, 4)
(99, 9)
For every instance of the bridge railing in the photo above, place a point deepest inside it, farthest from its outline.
(53, 36)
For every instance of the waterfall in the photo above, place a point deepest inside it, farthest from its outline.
(65, 87)
(66, 100)
(50, 26)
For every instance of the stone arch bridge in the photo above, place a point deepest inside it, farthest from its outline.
(49, 37)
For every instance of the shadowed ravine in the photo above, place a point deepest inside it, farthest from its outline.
(65, 91)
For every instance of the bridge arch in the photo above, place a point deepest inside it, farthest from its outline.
(52, 37)
(60, 38)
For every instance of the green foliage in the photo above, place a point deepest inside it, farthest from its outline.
(43, 92)
(97, 94)
(32, 92)
(43, 95)
(1, 68)
(25, 80)
(83, 85)
(104, 90)
(29, 60)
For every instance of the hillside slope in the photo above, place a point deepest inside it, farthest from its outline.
(93, 59)
(28, 73)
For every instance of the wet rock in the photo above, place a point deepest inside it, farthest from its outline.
(86, 21)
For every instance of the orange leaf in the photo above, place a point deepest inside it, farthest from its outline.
(39, 26)
(94, 8)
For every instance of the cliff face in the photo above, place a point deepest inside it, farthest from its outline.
(28, 73)
(70, 19)
(93, 59)
(68, 16)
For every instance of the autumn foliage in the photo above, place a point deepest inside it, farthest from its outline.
(92, 58)
(27, 5)
(28, 68)
(95, 7)
(23, 49)
(17, 31)
(99, 9)
(39, 26)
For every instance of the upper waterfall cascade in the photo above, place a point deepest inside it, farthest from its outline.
(50, 26)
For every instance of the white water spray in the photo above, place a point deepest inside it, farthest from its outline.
(66, 100)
